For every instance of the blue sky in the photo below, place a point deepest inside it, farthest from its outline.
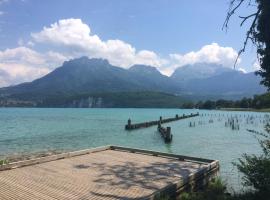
(163, 33)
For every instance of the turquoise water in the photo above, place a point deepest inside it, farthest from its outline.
(30, 130)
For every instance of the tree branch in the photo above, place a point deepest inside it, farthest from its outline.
(249, 33)
(231, 12)
(247, 17)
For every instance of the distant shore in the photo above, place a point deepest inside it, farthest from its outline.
(245, 109)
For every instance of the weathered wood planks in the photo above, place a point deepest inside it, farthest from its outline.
(110, 172)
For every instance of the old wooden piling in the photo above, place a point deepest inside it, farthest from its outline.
(165, 133)
(131, 126)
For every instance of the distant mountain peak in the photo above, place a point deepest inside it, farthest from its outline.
(144, 69)
(89, 75)
(84, 60)
(198, 71)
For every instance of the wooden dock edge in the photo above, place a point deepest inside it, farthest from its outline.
(162, 154)
(193, 183)
(44, 159)
(211, 163)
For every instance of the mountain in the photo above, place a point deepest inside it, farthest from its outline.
(84, 75)
(198, 71)
(234, 83)
(81, 79)
(151, 76)
(211, 80)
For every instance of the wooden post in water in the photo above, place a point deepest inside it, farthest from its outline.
(169, 130)
(159, 124)
(129, 124)
(168, 136)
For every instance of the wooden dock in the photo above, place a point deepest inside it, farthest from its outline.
(104, 173)
(130, 126)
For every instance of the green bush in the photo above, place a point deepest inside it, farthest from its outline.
(3, 162)
(216, 190)
(256, 169)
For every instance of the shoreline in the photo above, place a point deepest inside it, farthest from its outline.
(264, 110)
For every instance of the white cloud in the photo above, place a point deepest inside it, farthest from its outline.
(76, 37)
(21, 55)
(22, 64)
(18, 73)
(72, 38)
(212, 53)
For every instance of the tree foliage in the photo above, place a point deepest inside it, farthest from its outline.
(257, 102)
(258, 32)
(256, 169)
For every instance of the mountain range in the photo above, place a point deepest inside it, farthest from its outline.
(84, 75)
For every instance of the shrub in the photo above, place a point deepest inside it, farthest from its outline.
(256, 169)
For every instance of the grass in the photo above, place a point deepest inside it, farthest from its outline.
(3, 162)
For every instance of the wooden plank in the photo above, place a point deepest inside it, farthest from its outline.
(104, 173)
(50, 158)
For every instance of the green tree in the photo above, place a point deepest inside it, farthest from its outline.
(209, 105)
(256, 169)
(258, 32)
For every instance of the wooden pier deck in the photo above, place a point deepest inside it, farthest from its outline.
(104, 173)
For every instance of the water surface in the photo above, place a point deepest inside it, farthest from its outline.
(30, 130)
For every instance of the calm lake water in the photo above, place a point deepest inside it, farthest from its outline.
(30, 130)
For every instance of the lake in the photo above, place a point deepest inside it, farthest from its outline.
(31, 130)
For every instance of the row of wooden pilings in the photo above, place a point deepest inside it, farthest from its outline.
(130, 126)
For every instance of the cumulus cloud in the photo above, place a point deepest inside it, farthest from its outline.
(212, 53)
(76, 37)
(22, 64)
(72, 38)
(22, 55)
(18, 73)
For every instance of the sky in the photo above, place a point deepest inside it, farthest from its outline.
(36, 36)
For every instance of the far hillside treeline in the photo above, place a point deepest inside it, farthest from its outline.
(145, 99)
(257, 102)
